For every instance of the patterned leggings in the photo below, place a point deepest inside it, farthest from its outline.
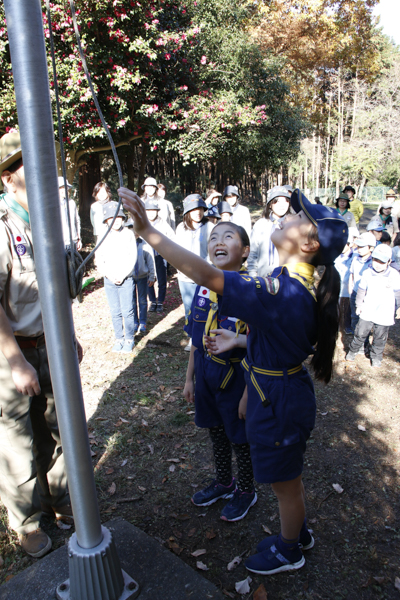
(223, 460)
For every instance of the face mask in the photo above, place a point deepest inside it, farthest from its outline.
(378, 266)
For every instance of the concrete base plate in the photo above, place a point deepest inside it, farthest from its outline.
(160, 574)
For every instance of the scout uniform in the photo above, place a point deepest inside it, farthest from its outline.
(219, 379)
(281, 313)
(31, 461)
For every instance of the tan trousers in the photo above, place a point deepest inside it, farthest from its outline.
(32, 466)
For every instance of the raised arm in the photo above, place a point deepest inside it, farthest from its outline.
(185, 261)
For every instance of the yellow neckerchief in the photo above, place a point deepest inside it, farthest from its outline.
(212, 318)
(303, 272)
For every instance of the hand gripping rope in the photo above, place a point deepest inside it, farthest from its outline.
(75, 263)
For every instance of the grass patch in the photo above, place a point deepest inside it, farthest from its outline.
(180, 419)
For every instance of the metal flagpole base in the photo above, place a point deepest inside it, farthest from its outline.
(96, 574)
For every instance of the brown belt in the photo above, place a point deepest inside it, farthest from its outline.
(29, 342)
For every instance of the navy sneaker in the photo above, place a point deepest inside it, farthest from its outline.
(271, 561)
(239, 506)
(142, 329)
(213, 492)
(306, 542)
(160, 307)
(153, 307)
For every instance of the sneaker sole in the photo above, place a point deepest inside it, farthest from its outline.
(225, 496)
(291, 567)
(223, 518)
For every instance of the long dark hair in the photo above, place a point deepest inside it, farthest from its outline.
(328, 318)
(97, 188)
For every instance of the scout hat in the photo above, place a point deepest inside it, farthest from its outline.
(193, 201)
(366, 239)
(151, 204)
(110, 209)
(231, 190)
(213, 212)
(391, 194)
(289, 188)
(374, 226)
(278, 190)
(332, 228)
(383, 253)
(10, 151)
(149, 181)
(224, 207)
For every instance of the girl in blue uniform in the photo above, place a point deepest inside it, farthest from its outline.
(217, 384)
(288, 320)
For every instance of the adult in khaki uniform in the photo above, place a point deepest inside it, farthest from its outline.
(356, 206)
(32, 471)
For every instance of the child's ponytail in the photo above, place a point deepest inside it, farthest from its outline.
(328, 323)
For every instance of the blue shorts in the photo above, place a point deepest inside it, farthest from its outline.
(279, 426)
(218, 391)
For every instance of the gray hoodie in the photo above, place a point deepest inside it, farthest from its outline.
(144, 266)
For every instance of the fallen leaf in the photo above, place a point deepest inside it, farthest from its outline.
(229, 594)
(112, 489)
(124, 462)
(9, 577)
(210, 535)
(176, 549)
(191, 532)
(380, 580)
(62, 525)
(92, 453)
(324, 414)
(184, 517)
(162, 388)
(164, 479)
(141, 488)
(200, 565)
(173, 460)
(260, 593)
(123, 420)
(151, 448)
(243, 587)
(177, 446)
(397, 583)
(144, 423)
(109, 471)
(177, 533)
(190, 412)
(149, 374)
(197, 553)
(338, 488)
(172, 468)
(267, 530)
(273, 517)
(361, 427)
(234, 563)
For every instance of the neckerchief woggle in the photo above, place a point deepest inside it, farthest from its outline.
(212, 318)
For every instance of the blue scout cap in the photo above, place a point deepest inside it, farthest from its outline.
(110, 209)
(213, 212)
(383, 252)
(374, 226)
(231, 190)
(225, 207)
(332, 228)
(151, 205)
(193, 201)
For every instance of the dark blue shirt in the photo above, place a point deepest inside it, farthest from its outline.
(282, 320)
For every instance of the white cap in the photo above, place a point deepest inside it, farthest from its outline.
(61, 183)
(383, 252)
(387, 204)
(366, 239)
(149, 181)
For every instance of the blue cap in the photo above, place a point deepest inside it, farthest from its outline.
(332, 228)
(151, 205)
(374, 226)
(193, 201)
(231, 190)
(213, 212)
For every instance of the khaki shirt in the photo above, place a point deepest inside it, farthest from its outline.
(18, 284)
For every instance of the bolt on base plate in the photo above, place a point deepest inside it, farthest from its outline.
(131, 589)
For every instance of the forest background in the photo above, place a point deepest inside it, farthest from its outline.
(202, 93)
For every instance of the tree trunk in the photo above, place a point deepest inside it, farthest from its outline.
(89, 175)
(142, 168)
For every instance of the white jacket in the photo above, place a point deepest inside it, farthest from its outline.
(116, 257)
(263, 257)
(241, 216)
(194, 240)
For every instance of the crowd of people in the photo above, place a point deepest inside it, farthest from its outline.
(253, 316)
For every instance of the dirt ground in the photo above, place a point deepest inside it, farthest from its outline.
(149, 458)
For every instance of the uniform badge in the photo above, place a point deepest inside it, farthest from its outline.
(204, 292)
(272, 285)
(21, 249)
(201, 301)
(20, 244)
